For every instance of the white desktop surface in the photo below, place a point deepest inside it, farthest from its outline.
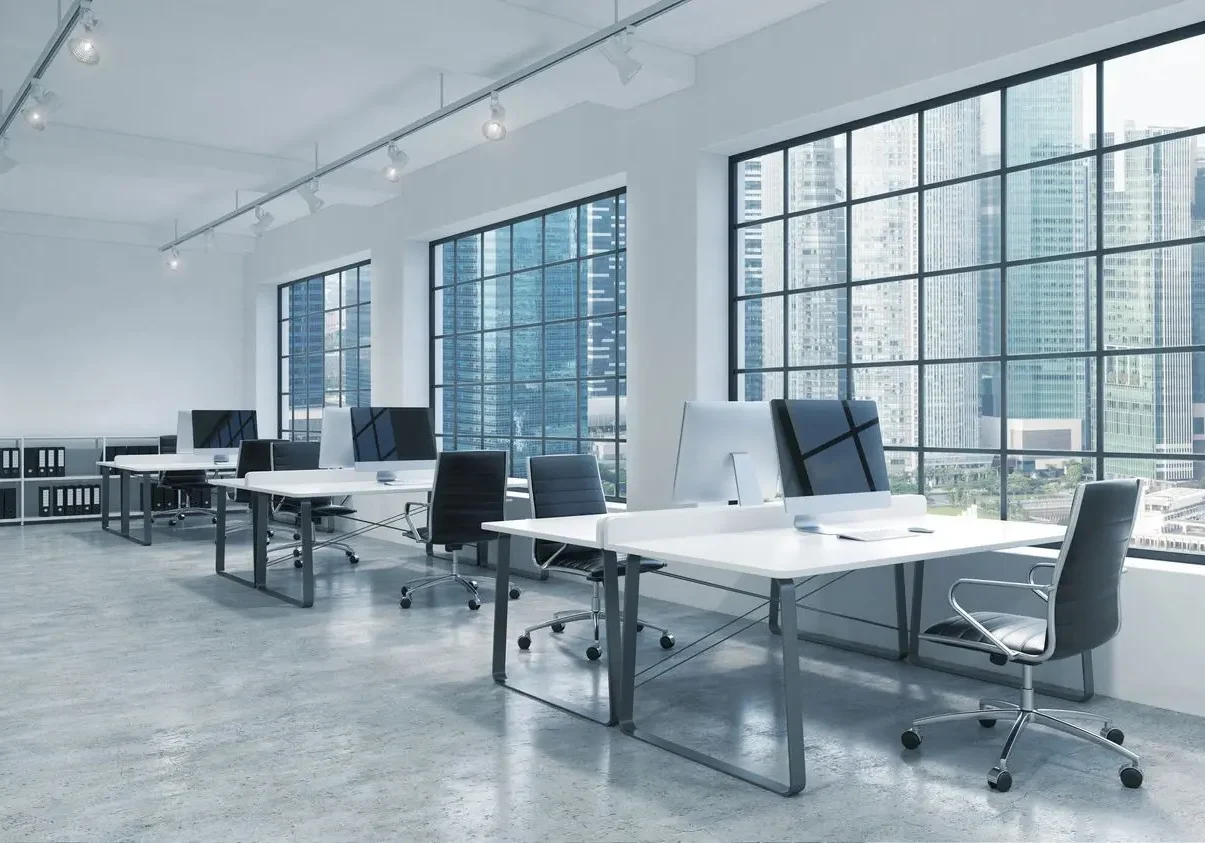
(155, 463)
(578, 530)
(335, 487)
(786, 553)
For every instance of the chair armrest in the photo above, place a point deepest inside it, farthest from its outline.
(980, 628)
(543, 566)
(410, 507)
(1039, 589)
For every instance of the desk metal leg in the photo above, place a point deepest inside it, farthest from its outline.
(219, 539)
(104, 497)
(147, 486)
(259, 532)
(1085, 693)
(777, 602)
(124, 487)
(307, 553)
(792, 694)
(614, 647)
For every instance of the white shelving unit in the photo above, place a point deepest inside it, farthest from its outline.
(82, 454)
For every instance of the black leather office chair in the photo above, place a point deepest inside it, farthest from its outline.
(469, 490)
(189, 486)
(253, 455)
(1083, 611)
(569, 484)
(303, 456)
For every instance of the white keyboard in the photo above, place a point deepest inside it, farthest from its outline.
(877, 535)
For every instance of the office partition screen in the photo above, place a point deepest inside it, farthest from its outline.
(323, 343)
(1015, 273)
(529, 336)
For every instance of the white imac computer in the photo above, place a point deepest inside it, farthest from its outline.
(334, 447)
(392, 439)
(184, 432)
(218, 433)
(726, 452)
(831, 457)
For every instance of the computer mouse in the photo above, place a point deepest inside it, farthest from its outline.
(919, 530)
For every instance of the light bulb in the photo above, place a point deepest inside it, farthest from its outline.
(495, 129)
(83, 47)
(397, 162)
(173, 261)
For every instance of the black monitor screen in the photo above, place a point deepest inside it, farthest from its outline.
(392, 434)
(829, 447)
(222, 428)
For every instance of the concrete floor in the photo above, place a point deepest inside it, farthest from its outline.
(144, 698)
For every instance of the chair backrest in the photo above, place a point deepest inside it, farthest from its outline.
(1085, 605)
(167, 444)
(469, 489)
(295, 456)
(565, 484)
(253, 455)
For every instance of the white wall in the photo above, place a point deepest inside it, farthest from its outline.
(838, 62)
(98, 339)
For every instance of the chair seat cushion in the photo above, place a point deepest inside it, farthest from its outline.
(332, 510)
(590, 563)
(1018, 632)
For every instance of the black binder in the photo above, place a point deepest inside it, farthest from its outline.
(44, 500)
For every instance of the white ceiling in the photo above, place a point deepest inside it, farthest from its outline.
(194, 99)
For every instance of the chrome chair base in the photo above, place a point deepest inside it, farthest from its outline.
(1024, 714)
(595, 615)
(453, 576)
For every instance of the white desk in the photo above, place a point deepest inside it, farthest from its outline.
(757, 541)
(149, 467)
(303, 487)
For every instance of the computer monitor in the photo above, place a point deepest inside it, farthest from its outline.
(831, 457)
(335, 447)
(219, 433)
(392, 439)
(726, 452)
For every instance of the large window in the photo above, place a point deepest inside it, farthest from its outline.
(1016, 274)
(323, 343)
(529, 337)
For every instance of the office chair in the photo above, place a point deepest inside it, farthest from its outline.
(303, 456)
(469, 490)
(569, 484)
(1083, 611)
(186, 485)
(253, 455)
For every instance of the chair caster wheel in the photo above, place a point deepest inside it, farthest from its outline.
(297, 563)
(1115, 735)
(214, 520)
(557, 627)
(514, 593)
(524, 642)
(474, 603)
(1131, 776)
(667, 641)
(1000, 780)
(296, 553)
(640, 627)
(271, 533)
(405, 601)
(352, 559)
(297, 537)
(910, 739)
(593, 653)
(986, 723)
(405, 590)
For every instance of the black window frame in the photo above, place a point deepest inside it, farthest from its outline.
(281, 356)
(1098, 354)
(617, 441)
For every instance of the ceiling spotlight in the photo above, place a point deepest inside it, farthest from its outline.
(617, 50)
(495, 129)
(263, 221)
(83, 46)
(309, 192)
(6, 163)
(173, 260)
(43, 103)
(397, 162)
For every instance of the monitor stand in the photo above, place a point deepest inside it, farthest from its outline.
(386, 476)
(808, 524)
(748, 491)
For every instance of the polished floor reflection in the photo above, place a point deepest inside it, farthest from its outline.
(144, 698)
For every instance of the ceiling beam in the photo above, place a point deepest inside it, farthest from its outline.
(589, 42)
